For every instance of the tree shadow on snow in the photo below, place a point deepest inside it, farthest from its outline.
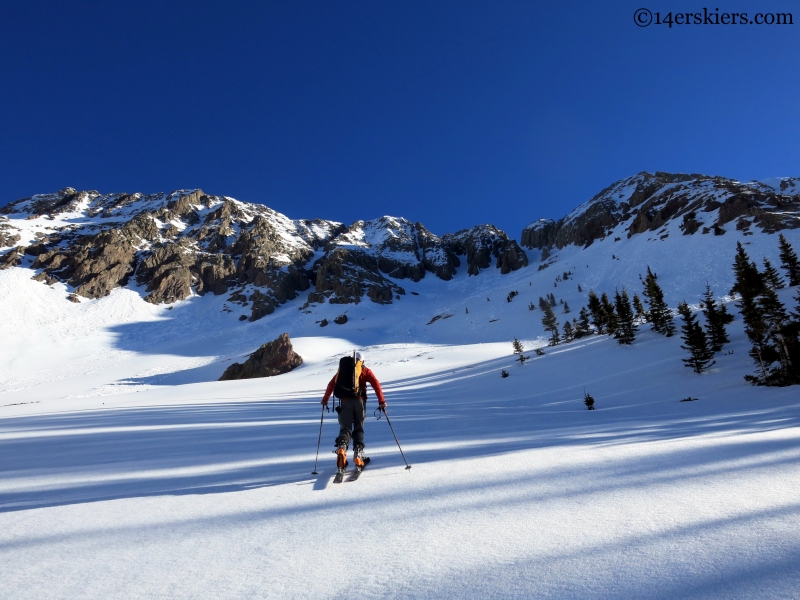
(87, 456)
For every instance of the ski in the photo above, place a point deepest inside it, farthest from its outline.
(339, 477)
(357, 473)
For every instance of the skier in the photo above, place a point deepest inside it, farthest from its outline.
(350, 386)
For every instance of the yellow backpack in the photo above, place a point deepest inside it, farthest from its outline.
(347, 377)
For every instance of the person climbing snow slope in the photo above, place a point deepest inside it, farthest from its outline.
(349, 385)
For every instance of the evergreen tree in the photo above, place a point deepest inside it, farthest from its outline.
(566, 308)
(659, 315)
(756, 330)
(552, 300)
(641, 314)
(782, 335)
(796, 312)
(700, 355)
(598, 314)
(583, 326)
(569, 332)
(518, 350)
(626, 328)
(789, 261)
(717, 317)
(611, 316)
(551, 324)
(543, 303)
(579, 288)
(531, 306)
(771, 276)
(749, 282)
(774, 338)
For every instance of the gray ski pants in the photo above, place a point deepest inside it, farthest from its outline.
(351, 422)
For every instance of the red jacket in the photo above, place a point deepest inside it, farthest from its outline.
(367, 376)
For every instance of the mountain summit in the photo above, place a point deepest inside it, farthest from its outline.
(173, 245)
(649, 202)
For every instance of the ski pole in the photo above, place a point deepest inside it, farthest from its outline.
(322, 418)
(408, 466)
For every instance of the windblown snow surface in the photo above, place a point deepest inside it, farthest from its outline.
(128, 471)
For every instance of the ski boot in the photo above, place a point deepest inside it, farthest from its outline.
(341, 463)
(359, 458)
(341, 457)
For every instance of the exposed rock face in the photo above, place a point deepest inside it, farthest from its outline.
(8, 236)
(340, 320)
(176, 244)
(269, 360)
(362, 260)
(344, 275)
(187, 243)
(437, 257)
(12, 258)
(482, 243)
(647, 202)
(93, 264)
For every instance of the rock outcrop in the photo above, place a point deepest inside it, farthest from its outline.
(8, 236)
(369, 255)
(173, 245)
(647, 202)
(481, 244)
(437, 257)
(273, 358)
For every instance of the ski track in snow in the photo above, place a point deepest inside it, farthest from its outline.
(127, 470)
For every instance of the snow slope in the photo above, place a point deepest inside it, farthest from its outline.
(127, 470)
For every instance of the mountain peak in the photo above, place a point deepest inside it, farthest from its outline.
(649, 201)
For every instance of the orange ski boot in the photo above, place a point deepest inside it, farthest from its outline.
(341, 457)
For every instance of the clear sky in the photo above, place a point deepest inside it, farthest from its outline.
(452, 113)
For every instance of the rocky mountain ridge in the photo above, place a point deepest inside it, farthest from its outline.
(171, 246)
(649, 202)
(174, 245)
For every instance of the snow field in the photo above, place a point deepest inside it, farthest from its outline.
(127, 470)
(516, 490)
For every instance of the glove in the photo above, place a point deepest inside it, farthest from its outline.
(382, 407)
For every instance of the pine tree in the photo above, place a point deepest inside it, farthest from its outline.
(551, 324)
(626, 328)
(611, 316)
(756, 330)
(543, 303)
(717, 317)
(588, 401)
(700, 355)
(659, 315)
(641, 314)
(518, 350)
(598, 314)
(566, 308)
(773, 336)
(580, 290)
(789, 261)
(553, 300)
(771, 276)
(782, 335)
(569, 332)
(531, 306)
(583, 326)
(749, 282)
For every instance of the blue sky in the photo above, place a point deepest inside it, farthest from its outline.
(450, 113)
